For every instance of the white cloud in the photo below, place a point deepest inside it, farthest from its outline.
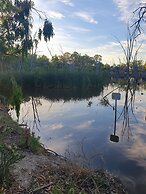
(85, 125)
(67, 2)
(56, 126)
(61, 42)
(126, 8)
(58, 145)
(111, 51)
(96, 38)
(86, 17)
(79, 29)
(137, 151)
(55, 15)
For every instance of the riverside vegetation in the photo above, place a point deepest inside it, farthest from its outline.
(27, 167)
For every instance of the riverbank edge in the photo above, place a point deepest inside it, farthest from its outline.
(44, 171)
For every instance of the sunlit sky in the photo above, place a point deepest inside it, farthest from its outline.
(89, 27)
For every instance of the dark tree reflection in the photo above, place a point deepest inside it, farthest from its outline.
(128, 107)
(129, 88)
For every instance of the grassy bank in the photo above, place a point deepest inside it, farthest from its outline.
(54, 79)
(54, 85)
(32, 169)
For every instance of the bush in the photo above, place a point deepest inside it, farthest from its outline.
(8, 156)
(29, 141)
(16, 97)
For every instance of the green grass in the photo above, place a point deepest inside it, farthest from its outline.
(29, 141)
(8, 156)
(54, 79)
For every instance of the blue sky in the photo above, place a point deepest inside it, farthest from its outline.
(89, 27)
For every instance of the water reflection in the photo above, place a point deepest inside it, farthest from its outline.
(65, 123)
(116, 97)
(135, 160)
(36, 120)
(128, 89)
(58, 94)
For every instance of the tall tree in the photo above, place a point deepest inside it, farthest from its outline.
(140, 13)
(98, 58)
(16, 25)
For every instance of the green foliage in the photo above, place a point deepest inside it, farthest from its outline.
(8, 156)
(47, 30)
(30, 141)
(16, 97)
(100, 181)
(34, 143)
(81, 82)
(77, 61)
(16, 27)
(61, 79)
(56, 191)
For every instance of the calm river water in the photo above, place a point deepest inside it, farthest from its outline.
(79, 128)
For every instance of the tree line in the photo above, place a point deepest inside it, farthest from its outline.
(18, 45)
